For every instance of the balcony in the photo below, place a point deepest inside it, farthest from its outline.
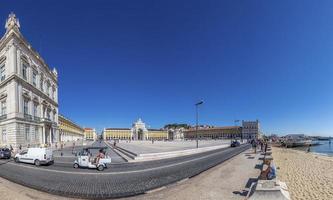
(27, 117)
(3, 117)
(37, 119)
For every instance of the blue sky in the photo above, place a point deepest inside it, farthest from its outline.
(121, 60)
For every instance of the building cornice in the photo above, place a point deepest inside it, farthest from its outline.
(6, 44)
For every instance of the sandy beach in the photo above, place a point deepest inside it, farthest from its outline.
(308, 176)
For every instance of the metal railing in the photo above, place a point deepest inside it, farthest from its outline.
(3, 117)
(37, 119)
(27, 116)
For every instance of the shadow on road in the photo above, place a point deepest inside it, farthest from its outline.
(9, 160)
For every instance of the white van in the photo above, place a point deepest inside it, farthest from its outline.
(35, 156)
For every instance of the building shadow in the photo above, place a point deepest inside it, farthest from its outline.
(2, 163)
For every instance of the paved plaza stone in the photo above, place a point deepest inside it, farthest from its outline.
(144, 147)
(68, 152)
(119, 180)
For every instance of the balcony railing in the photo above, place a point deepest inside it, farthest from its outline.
(27, 117)
(37, 119)
(3, 117)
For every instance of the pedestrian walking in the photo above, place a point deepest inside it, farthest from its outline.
(266, 145)
(254, 146)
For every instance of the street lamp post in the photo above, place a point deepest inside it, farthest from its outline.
(197, 120)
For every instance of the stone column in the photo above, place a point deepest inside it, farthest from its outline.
(12, 55)
(43, 134)
(51, 135)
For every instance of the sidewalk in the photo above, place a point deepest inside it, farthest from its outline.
(230, 180)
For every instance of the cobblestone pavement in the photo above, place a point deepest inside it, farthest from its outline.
(119, 180)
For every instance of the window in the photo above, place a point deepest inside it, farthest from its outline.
(35, 109)
(41, 83)
(49, 115)
(2, 71)
(4, 135)
(25, 106)
(36, 133)
(25, 71)
(48, 89)
(27, 133)
(34, 79)
(3, 107)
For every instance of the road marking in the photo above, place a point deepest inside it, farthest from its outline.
(116, 173)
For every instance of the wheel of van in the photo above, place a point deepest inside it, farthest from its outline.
(100, 168)
(16, 160)
(76, 165)
(37, 162)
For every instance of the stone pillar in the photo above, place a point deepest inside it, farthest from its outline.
(12, 61)
(43, 135)
(51, 135)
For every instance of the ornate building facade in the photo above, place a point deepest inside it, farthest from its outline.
(226, 132)
(69, 131)
(28, 92)
(137, 132)
(248, 130)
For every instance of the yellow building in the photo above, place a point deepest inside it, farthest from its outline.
(69, 131)
(90, 134)
(226, 132)
(117, 133)
(128, 134)
(137, 132)
(157, 134)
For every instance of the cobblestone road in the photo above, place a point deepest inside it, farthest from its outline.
(119, 180)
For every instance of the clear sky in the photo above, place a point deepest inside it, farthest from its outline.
(121, 60)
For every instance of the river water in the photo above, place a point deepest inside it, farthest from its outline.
(325, 148)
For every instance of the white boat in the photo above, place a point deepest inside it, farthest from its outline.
(298, 143)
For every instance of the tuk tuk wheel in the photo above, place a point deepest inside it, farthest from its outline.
(100, 168)
(16, 160)
(76, 165)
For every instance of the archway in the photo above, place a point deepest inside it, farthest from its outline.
(140, 134)
(170, 135)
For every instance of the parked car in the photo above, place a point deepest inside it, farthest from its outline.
(5, 153)
(35, 156)
(235, 143)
